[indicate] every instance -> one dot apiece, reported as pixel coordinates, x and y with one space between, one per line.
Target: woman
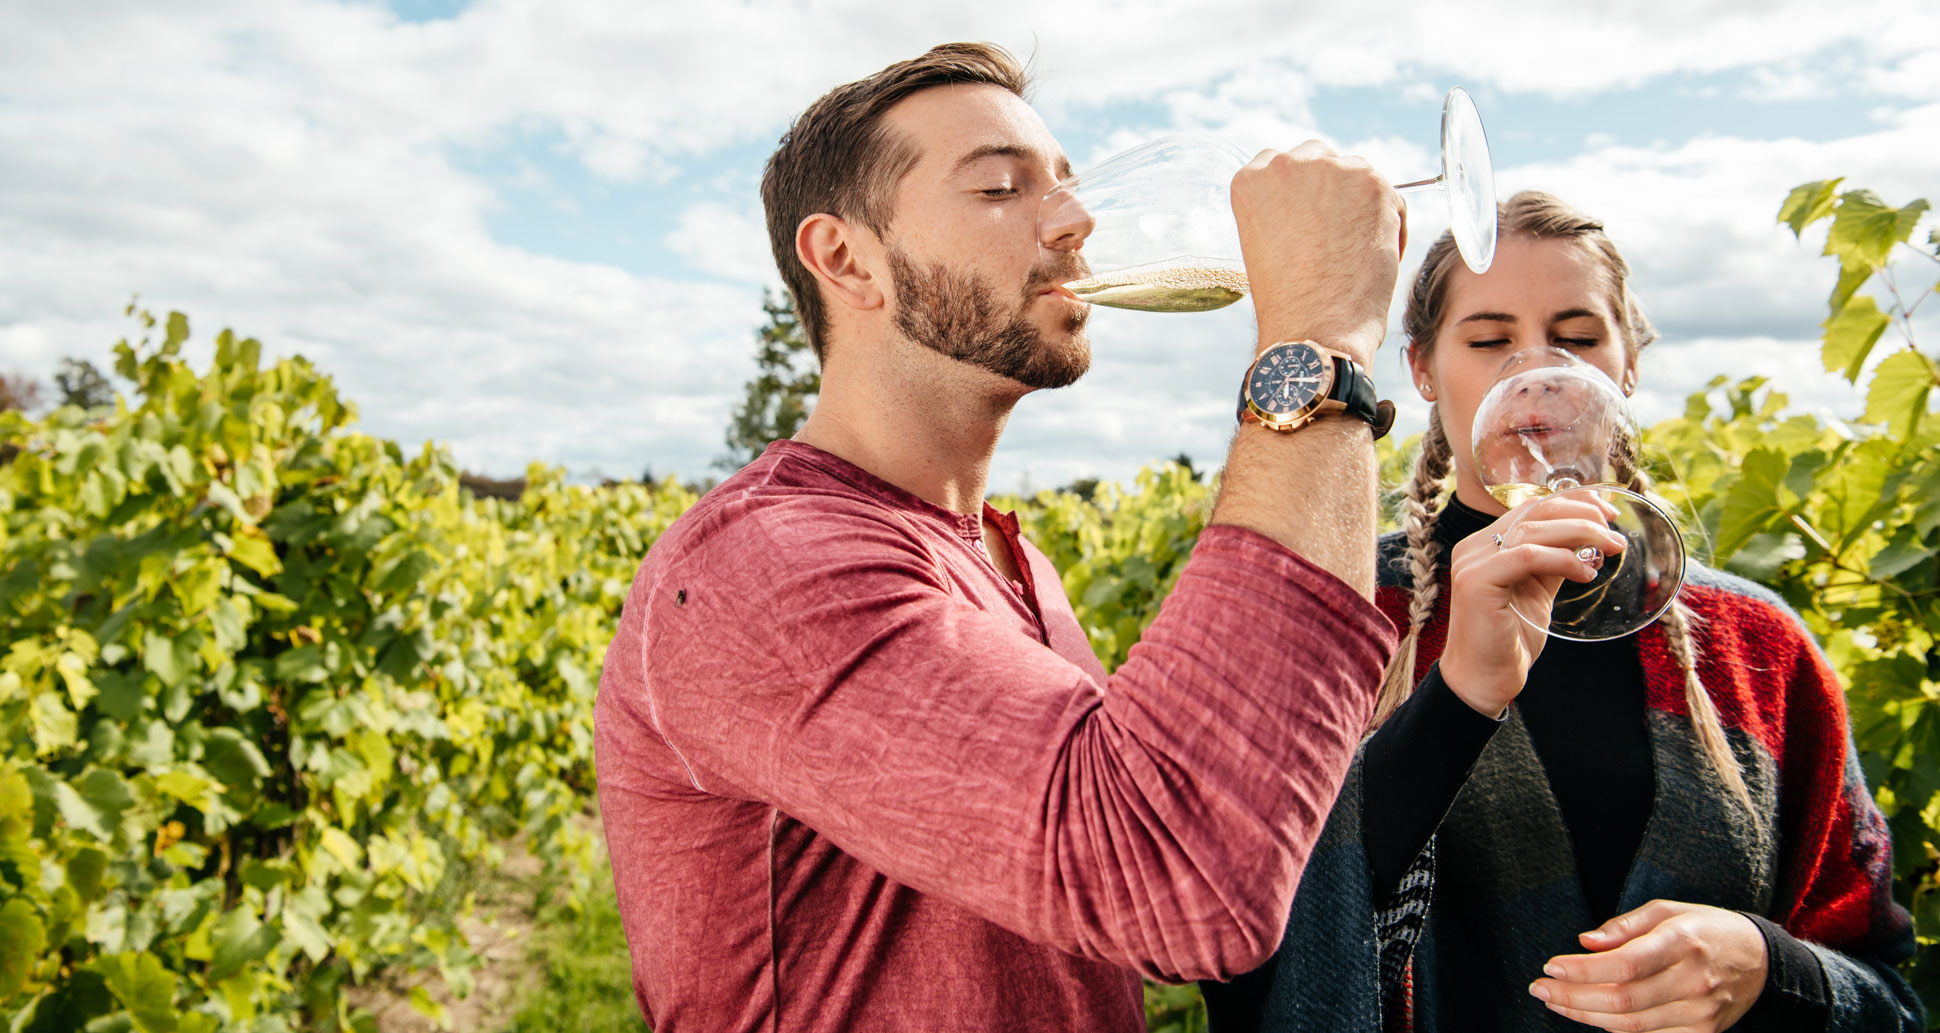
1666 831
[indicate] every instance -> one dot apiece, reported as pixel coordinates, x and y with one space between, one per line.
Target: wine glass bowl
1162 213
1156 228
1553 426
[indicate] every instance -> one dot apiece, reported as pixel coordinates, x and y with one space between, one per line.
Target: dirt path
507 899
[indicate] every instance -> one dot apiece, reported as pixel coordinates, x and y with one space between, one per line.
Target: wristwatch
1294 382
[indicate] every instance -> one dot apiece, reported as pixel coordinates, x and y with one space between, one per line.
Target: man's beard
955 314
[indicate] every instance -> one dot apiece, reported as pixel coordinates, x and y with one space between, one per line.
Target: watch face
1287 379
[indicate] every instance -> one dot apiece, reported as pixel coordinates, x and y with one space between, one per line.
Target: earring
1427 390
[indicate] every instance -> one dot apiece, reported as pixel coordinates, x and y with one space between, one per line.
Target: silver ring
1499 543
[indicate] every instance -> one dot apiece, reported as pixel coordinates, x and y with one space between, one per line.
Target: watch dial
1286 380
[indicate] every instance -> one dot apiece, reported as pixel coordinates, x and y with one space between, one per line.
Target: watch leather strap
1355 389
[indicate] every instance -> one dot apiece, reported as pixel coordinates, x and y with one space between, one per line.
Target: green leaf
190 788
22 939
73 1005
413 568
178 331
1852 276
1898 395
300 923
1762 555
1807 204
253 549
1850 335
16 797
221 494
234 760
1864 228
169 657
84 871
227 622
1753 501
239 938
95 802
1907 549
339 845
144 987
302 664
52 726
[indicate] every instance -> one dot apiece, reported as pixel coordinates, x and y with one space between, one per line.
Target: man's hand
1490 649
1322 237
1665 966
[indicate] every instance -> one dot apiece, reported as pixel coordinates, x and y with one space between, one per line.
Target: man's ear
833 250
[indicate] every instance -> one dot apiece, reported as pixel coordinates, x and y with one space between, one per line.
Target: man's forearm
1312 490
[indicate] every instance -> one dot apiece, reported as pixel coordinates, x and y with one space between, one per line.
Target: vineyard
267 678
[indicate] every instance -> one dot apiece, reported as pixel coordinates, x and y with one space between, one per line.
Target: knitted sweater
1500 874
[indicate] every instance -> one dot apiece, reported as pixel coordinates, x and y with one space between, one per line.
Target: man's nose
1062 222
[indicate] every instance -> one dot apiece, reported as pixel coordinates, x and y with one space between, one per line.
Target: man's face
970 279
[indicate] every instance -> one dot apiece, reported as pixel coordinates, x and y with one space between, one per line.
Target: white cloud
725 240
287 168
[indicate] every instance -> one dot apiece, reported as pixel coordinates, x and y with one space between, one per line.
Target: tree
81 384
783 390
18 391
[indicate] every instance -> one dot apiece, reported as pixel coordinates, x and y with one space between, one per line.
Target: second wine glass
1552 425
1157 221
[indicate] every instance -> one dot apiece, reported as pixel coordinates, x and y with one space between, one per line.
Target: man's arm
1322 238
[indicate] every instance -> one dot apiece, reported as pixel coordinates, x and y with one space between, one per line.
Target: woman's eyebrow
1574 313
1487 317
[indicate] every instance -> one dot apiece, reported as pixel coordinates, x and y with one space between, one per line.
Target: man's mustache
1065 267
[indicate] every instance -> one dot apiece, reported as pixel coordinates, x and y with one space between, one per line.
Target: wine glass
1161 232
1553 425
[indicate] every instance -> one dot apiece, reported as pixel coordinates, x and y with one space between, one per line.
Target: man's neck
927 425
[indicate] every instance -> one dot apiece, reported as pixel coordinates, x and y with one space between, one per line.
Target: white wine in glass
1189 285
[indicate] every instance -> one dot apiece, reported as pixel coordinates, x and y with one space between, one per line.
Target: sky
532 231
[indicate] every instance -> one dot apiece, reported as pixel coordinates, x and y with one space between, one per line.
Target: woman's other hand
1518 564
1665 966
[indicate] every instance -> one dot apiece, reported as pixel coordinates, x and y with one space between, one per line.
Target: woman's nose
1063 222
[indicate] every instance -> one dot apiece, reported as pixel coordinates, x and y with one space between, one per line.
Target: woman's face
1537 293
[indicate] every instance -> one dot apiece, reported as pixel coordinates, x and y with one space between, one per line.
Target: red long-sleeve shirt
853 777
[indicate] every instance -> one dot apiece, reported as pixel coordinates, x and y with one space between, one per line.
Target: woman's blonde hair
1533 215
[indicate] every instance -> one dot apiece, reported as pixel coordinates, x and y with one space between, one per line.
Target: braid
1421 500
1679 622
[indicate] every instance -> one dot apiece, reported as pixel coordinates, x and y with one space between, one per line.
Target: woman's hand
1490 649
1665 966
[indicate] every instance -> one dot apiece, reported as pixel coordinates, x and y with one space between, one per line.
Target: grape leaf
22 939
1898 395
1850 335
1864 228
95 802
239 938
1752 501
1808 203
144 987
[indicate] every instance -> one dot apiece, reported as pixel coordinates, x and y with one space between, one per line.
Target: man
858 767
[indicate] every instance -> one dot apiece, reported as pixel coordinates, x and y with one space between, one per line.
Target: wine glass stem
1418 186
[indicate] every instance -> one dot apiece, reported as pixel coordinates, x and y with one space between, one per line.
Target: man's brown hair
837 158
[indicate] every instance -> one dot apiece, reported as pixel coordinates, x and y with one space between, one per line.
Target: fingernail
1539 991
1553 970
